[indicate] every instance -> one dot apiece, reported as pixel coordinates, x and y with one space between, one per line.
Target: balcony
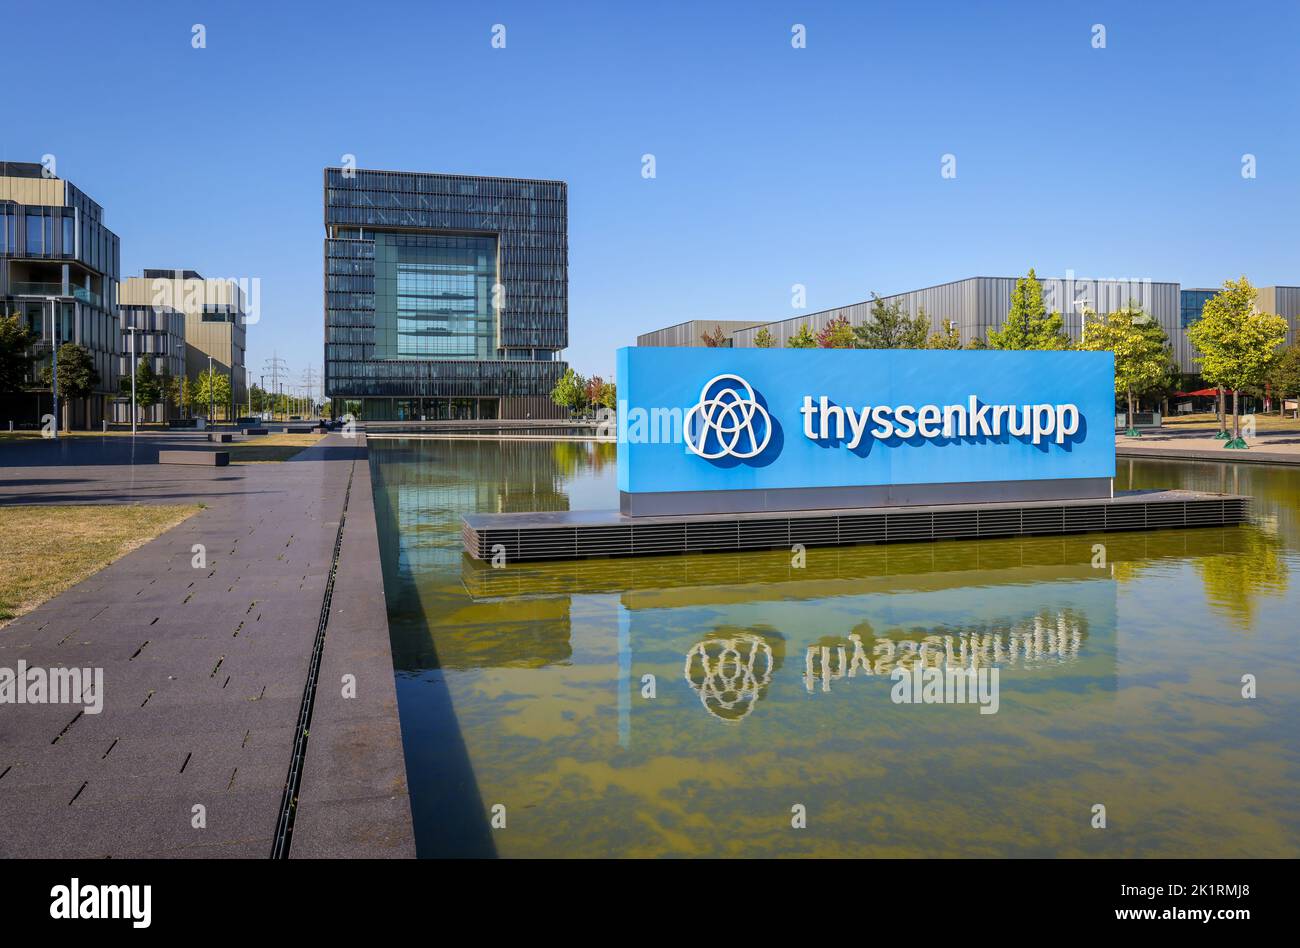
56 289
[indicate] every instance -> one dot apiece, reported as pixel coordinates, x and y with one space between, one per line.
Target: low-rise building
977 304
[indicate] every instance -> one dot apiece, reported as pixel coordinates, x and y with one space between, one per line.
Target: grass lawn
47 549
271 447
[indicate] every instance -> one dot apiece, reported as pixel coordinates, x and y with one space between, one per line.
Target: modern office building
978 304
156 333
1284 301
214 314
59 269
446 296
693 331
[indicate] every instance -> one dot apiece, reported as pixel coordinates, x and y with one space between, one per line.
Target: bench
298 429
222 437
207 458
255 431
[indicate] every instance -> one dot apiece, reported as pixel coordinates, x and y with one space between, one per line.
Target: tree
148 385
170 386
1141 348
16 354
948 336
77 373
763 339
890 327
186 400
570 391
1028 324
837 334
803 339
1285 374
594 390
1237 344
211 388
608 397
715 339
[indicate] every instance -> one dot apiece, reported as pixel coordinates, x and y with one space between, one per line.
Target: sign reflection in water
1046 639
525 685
730 674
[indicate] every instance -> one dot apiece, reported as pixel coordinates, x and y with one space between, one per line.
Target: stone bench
206 458
255 431
298 429
223 437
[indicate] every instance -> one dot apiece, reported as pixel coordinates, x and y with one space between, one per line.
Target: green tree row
578 393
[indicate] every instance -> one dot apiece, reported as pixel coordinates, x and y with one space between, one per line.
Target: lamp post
54 374
1084 306
134 367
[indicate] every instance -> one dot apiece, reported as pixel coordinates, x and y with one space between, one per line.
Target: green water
1120 682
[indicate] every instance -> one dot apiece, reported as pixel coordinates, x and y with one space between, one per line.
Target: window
35 245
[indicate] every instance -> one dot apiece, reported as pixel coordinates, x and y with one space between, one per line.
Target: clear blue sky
775 166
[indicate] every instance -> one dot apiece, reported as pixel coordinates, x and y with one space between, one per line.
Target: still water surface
1120 683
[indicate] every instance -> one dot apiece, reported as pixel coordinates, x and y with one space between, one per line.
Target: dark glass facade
445 295
1191 302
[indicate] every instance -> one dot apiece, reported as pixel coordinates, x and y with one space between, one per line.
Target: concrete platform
562 535
206 458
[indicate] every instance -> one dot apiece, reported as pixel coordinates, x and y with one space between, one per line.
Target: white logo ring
729 413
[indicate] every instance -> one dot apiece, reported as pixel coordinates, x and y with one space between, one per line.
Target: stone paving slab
354 796
204 669
1268 447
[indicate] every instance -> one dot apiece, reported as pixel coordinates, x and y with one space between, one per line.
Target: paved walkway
1200 445
205 668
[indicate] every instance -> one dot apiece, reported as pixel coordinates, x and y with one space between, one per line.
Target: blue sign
716 419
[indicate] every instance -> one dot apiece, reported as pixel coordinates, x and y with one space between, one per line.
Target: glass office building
59 270
446 296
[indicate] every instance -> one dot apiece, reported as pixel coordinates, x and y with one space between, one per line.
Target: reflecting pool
699 705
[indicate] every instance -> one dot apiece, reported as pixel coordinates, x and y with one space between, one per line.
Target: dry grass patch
270 447
45 550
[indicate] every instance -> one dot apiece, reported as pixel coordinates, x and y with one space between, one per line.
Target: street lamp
132 330
54 374
1084 306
